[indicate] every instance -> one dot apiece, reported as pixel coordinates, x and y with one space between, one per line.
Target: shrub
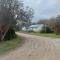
46 29
10 34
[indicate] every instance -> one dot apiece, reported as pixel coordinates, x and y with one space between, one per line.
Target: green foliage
53 23
10 34
12 13
46 29
7 46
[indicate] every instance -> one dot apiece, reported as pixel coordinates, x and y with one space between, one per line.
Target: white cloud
44 8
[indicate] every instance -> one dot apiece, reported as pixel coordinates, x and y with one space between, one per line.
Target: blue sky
43 8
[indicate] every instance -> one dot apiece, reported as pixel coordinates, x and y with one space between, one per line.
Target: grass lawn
9 45
46 35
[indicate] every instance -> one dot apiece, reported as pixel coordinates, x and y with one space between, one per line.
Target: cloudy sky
44 8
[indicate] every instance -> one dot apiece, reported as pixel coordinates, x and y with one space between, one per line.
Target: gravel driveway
35 48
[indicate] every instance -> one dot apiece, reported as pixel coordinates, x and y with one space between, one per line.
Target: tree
12 11
29 15
25 17
9 10
54 23
46 29
45 23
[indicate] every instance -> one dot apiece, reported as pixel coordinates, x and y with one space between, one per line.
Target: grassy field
7 46
46 34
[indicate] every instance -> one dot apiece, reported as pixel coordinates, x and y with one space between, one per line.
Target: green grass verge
9 45
46 34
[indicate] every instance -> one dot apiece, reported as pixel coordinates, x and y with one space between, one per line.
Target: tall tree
9 10
55 24
12 11
25 17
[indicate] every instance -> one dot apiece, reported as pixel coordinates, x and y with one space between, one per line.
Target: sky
43 9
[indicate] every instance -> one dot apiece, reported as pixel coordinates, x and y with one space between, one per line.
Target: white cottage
36 28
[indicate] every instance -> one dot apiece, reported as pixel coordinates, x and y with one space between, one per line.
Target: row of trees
52 23
13 12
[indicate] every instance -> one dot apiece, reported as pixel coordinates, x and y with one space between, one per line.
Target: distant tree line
53 24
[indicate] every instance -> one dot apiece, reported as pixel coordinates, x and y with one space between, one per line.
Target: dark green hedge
46 29
10 34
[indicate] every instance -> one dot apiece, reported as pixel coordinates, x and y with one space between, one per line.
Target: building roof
37 25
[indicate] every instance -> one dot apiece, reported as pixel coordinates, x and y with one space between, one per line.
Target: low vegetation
51 35
6 46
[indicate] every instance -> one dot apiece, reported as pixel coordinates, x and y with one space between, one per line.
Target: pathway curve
35 48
